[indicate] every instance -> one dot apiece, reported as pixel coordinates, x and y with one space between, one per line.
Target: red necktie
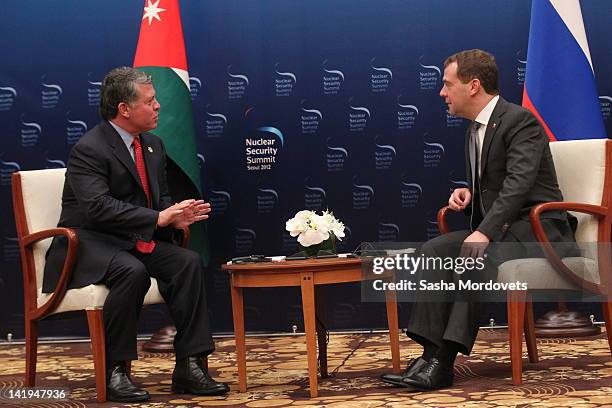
142 246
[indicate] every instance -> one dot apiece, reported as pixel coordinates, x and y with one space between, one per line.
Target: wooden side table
310 275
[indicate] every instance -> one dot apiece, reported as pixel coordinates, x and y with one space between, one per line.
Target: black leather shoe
432 376
119 386
413 368
191 377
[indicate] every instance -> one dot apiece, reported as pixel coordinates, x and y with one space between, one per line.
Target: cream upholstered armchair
584 172
37 197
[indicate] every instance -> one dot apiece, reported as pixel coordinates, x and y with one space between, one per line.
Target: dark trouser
458 321
433 322
180 280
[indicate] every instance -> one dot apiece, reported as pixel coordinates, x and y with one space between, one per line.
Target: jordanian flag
161 53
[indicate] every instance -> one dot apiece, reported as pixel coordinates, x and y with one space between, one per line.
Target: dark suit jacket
517 172
104 201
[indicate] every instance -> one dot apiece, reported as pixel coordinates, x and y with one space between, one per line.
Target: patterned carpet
571 373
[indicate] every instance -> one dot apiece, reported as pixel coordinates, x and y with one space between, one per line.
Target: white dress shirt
483 118
125 136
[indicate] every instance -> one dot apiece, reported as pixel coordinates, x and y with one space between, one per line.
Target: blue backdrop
344 92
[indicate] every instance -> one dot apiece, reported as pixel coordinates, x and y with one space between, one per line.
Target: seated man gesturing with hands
116 198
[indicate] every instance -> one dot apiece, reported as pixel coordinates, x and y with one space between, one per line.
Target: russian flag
560 84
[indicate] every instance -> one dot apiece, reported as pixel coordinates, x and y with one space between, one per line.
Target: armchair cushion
93 297
538 273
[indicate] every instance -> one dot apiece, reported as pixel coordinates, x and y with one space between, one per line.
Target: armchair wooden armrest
30 273
603 251
186 237
62 285
442 224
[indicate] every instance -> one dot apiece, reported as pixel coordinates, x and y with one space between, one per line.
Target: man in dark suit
510 169
116 198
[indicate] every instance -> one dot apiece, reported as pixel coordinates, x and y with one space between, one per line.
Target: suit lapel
494 122
120 151
149 157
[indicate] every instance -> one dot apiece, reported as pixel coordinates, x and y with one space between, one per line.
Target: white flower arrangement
312 228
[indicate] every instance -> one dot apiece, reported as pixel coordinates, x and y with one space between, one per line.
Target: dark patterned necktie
475 167
474 153
142 246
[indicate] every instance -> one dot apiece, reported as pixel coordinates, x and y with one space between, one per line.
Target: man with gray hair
116 198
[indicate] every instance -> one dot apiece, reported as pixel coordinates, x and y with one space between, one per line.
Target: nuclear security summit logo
266 200
75 128
7 168
363 194
310 119
358 117
220 201
93 91
388 231
244 239
237 84
195 84
315 197
284 83
215 123
384 154
332 80
335 156
406 114
380 78
410 194
429 76
433 153
30 133
8 94
262 150
50 94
